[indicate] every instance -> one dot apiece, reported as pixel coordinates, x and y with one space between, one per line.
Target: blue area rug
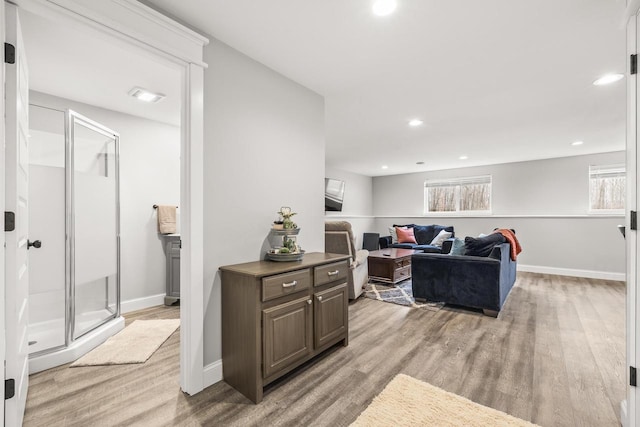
401 294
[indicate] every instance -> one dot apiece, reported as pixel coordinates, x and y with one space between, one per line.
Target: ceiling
76 64
495 80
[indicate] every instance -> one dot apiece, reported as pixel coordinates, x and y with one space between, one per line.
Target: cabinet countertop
267 268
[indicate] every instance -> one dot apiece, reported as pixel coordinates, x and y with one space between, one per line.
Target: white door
17 260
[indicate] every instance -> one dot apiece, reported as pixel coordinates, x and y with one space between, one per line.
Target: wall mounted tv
333 194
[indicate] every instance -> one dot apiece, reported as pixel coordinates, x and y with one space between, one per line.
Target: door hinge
633 64
632 376
9 221
633 220
9 388
9 53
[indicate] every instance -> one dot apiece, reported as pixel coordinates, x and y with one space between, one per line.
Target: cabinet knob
319 298
309 302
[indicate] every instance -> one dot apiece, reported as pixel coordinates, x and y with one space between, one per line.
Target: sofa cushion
403 245
440 237
438 228
457 248
482 246
405 235
394 236
424 234
428 249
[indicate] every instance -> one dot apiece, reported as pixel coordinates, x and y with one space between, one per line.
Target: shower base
77 348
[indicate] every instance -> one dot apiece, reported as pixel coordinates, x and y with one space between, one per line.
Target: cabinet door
331 318
287 335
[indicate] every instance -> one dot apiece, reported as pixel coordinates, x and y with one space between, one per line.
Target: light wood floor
555 356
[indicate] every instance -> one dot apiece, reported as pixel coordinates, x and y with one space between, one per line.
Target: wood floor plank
554 356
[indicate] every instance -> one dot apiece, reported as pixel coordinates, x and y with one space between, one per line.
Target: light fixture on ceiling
415 122
576 143
146 95
385 167
384 7
608 79
463 157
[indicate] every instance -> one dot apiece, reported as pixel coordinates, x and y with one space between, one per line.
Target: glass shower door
94 246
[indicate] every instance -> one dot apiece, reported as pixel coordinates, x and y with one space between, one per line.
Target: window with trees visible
607 188
458 195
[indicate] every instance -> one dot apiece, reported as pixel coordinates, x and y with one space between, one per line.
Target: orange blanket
512 239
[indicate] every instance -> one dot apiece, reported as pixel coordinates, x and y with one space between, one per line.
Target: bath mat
134 344
406 401
401 293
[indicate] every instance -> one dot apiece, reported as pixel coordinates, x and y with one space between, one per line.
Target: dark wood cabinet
287 334
330 315
278 315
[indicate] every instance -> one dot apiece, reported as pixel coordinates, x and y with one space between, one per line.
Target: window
607 188
471 194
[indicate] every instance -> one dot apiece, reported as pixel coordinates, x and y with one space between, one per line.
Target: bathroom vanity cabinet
172 250
278 315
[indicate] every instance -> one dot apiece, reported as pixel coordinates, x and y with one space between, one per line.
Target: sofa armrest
447 245
361 258
385 242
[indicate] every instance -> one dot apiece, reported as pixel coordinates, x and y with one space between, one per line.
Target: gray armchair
338 239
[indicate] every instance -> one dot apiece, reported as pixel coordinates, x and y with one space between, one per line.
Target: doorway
175 46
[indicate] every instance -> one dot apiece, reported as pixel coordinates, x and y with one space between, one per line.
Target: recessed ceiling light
608 78
415 122
577 143
463 157
146 95
384 7
419 163
385 167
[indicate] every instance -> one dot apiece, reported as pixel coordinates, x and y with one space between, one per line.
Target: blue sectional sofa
473 281
424 235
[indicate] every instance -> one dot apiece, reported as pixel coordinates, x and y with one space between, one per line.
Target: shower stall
74 266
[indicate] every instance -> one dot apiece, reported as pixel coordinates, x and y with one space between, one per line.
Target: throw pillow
482 246
392 231
405 235
394 236
440 238
424 234
457 248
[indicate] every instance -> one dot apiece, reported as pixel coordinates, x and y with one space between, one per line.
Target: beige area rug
134 344
406 401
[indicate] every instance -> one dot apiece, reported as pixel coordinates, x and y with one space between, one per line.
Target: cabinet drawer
401 274
284 284
333 272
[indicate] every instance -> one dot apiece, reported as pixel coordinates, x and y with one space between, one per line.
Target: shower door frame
141 28
72 118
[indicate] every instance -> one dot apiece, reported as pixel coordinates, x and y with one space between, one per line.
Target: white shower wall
149 174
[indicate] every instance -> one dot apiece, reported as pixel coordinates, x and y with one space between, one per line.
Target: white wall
546 201
263 149
149 174
358 202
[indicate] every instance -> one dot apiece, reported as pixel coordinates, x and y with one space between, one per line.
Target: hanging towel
166 219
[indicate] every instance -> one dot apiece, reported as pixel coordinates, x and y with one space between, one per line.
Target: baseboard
141 303
623 413
591 274
212 373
